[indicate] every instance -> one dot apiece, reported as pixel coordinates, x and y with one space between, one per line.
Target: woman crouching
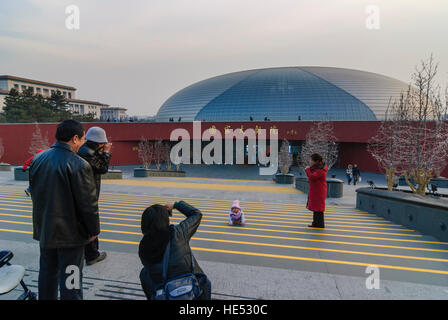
157 234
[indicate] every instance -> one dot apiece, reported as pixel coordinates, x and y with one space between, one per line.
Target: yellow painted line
204 186
115 195
272 237
319 249
362 264
323 241
277 215
322 249
320 234
299 207
297 225
298 232
273 225
209 179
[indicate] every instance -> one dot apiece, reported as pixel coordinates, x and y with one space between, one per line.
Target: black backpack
182 287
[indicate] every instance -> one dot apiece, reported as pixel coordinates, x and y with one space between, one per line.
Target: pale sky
138 53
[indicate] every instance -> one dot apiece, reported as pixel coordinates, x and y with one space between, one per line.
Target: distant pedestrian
317 176
236 214
157 235
25 167
356 174
349 174
65 212
96 151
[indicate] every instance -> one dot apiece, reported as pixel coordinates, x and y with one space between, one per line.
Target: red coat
318 188
30 159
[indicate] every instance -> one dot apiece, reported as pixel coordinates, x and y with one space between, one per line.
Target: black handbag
183 287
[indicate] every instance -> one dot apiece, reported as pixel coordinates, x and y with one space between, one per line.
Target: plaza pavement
275 256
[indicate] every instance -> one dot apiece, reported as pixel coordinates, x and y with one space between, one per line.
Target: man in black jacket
65 212
96 151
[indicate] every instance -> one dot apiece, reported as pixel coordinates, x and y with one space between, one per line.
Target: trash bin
20 175
335 188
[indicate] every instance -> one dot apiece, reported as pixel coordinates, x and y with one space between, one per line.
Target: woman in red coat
317 176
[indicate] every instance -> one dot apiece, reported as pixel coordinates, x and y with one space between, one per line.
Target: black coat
98 161
180 251
65 206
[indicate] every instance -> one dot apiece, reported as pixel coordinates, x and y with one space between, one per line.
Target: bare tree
146 152
2 149
167 159
284 157
159 153
320 139
38 141
413 140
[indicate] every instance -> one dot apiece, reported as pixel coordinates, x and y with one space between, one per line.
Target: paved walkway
274 256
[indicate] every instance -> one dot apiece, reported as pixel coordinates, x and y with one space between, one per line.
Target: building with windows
84 107
113 114
46 89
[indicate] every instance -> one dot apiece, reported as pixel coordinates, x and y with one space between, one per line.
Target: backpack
182 287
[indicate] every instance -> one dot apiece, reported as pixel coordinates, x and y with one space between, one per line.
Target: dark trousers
91 250
53 271
355 179
318 219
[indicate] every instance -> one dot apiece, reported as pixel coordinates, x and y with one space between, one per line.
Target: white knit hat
96 134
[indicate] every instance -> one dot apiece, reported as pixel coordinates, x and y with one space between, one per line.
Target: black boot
320 220
313 225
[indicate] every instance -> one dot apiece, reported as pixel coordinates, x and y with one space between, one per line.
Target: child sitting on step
236 214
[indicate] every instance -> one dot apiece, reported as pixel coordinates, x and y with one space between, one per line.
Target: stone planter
335 187
143 173
21 175
112 174
284 178
426 214
5 167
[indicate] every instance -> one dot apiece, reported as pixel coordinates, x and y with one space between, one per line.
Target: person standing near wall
317 176
356 174
96 151
349 174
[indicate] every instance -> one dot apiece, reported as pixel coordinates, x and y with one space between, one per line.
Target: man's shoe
27 193
101 257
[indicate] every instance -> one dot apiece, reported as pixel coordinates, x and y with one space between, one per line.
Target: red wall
351 135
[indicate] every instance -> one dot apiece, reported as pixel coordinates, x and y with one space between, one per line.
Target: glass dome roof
285 94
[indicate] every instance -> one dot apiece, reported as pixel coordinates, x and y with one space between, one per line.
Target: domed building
284 94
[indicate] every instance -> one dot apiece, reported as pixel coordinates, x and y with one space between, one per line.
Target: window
23 88
38 90
46 92
65 93
70 95
16 86
52 92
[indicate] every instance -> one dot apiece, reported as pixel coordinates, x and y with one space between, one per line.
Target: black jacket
180 251
98 161
65 206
